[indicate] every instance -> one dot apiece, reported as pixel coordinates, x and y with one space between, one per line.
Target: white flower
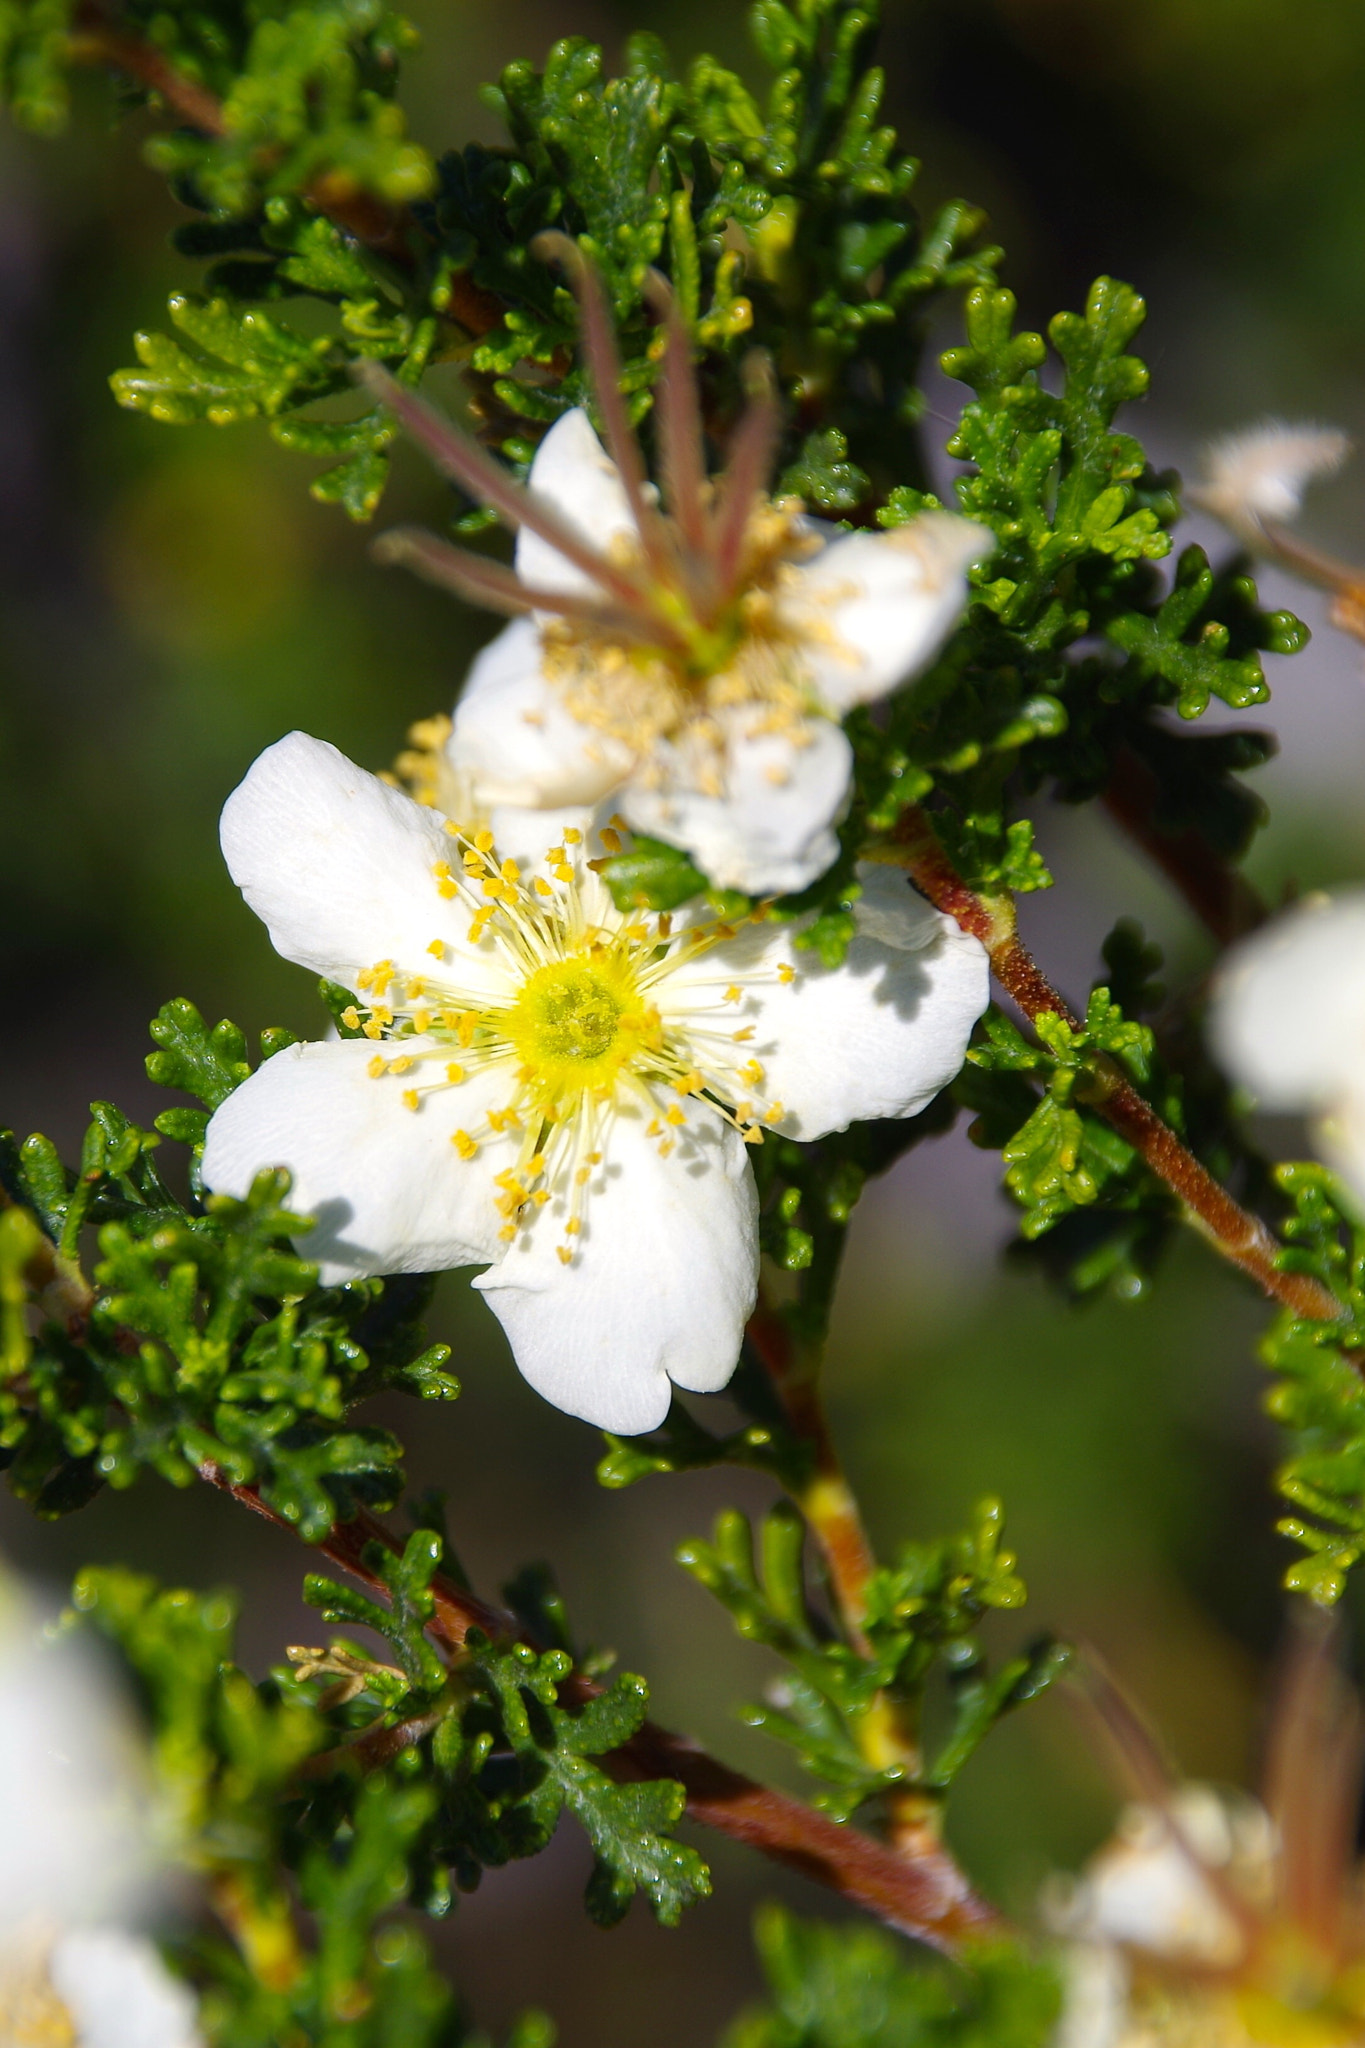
77 1858
1261 473
93 1988
554 1085
1288 1022
1157 1907
693 663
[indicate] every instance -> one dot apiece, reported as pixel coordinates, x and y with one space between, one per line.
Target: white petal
388 1190
771 833
661 1288
120 1994
339 866
878 1036
1288 1014
75 1842
1263 472
513 737
578 479
874 609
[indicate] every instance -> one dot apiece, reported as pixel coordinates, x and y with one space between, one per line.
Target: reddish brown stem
1240 1236
1215 890
928 1897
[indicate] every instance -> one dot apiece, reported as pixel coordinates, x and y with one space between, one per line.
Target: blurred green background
172 601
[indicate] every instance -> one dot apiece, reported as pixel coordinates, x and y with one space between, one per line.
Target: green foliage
228 1754
919 1617
1318 1395
509 1745
854 1987
205 1339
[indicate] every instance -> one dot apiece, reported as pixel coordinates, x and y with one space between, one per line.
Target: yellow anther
733 994
618 821
752 1073
437 949
362 979
401 1064
637 932
665 924
454 1074
555 857
411 1099
536 1165
654 1129
350 1017
508 1232
785 971
582 1176
441 870
416 987
564 873
378 1065
742 1037
775 1113
594 1158
565 1254
688 1084
753 1136
447 888
744 1112
572 1227
382 1014
572 836
542 887
674 1116
372 1028
474 862
611 840
464 1144
666 1147
541 1197
510 871
484 841
421 1020
495 887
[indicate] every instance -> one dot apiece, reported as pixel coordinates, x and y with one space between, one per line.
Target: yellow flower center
575 1024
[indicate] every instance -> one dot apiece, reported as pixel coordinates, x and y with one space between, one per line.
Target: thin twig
1233 1230
914 1819
927 1897
1218 893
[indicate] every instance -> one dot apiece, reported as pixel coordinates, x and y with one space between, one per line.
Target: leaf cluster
854 1987
1318 1395
505 1746
920 1619
227 1755
204 1339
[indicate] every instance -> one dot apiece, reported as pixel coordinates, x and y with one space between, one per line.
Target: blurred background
173 601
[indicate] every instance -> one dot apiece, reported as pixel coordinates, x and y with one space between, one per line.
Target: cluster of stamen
585 1027
686 620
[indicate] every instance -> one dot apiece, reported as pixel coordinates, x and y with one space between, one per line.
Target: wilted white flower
692 663
77 1858
554 1085
1261 473
1288 1022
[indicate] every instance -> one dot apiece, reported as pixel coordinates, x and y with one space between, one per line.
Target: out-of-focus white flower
78 1857
690 663
1261 473
557 1086
1214 1920
1287 1021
